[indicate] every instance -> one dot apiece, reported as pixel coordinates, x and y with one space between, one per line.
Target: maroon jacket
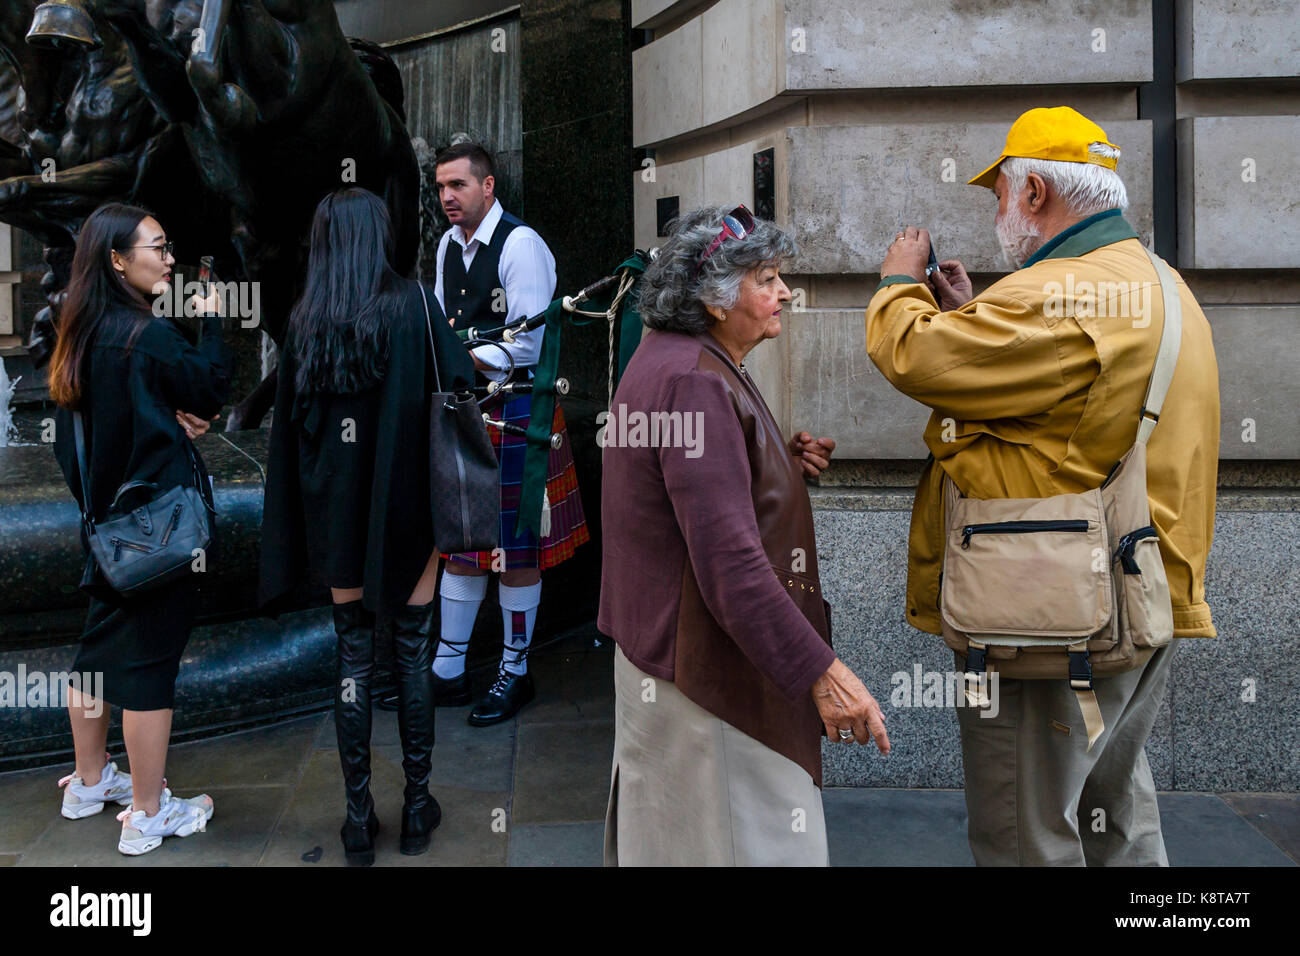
705 519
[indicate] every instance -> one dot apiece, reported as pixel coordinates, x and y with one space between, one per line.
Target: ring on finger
846 733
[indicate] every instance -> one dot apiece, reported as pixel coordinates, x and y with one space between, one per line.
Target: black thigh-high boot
414 656
356 658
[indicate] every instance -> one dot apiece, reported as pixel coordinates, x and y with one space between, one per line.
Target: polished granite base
532 792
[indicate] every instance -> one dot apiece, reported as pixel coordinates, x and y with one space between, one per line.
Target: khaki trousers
1035 797
689 789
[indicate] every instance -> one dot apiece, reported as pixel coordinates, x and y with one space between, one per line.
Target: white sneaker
176 816
81 801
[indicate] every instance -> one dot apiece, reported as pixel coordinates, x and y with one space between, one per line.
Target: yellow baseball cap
1056 133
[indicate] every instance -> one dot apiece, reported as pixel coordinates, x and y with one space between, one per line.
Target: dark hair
339 328
94 287
480 160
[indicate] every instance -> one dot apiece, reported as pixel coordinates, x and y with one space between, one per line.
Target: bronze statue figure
79 131
274 108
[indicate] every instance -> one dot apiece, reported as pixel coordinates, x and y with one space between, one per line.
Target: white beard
1018 237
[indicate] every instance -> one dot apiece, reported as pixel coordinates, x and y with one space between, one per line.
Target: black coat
131 392
347 496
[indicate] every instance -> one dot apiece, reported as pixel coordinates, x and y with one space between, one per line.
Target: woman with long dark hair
143 391
347 501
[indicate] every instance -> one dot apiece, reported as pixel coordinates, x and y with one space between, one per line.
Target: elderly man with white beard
1037 387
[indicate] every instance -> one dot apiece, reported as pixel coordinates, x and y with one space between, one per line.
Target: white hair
1085 188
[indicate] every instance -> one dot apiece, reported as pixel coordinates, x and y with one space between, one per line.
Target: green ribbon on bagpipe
628 337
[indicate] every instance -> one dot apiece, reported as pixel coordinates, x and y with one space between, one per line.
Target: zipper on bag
1020 527
173 524
1128 544
118 544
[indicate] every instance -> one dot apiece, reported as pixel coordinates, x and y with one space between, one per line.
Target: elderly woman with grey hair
724 674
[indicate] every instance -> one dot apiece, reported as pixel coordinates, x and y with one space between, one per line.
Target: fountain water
8 432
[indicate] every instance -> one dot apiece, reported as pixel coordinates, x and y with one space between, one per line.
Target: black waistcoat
468 295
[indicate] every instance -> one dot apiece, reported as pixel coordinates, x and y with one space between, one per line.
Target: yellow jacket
1036 387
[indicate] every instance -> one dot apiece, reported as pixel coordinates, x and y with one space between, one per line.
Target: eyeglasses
736 224
163 250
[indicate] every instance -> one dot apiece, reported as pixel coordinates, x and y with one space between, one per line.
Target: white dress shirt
527 274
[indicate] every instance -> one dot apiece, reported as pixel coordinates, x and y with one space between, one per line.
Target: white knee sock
461 596
518 615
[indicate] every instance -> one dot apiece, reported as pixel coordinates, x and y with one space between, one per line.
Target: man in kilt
494 270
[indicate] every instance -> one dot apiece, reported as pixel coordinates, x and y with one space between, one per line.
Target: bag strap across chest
1171 337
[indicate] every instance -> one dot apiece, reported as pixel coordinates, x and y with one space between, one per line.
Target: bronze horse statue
278 109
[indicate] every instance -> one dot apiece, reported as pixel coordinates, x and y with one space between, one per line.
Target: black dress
131 392
347 496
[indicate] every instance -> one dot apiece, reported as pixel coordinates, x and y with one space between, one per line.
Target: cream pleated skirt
689 789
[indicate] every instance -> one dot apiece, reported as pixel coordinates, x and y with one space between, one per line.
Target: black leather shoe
418 824
451 691
505 699
359 840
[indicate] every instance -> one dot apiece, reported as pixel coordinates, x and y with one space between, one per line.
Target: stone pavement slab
558 844
562 772
266 755
1200 829
1276 815
868 827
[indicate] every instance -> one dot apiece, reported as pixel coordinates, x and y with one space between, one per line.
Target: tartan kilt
568 520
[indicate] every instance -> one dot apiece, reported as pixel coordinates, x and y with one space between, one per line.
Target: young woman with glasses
143 390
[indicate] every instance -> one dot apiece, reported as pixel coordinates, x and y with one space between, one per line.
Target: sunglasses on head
736 224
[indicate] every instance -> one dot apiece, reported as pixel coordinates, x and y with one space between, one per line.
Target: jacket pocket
1143 589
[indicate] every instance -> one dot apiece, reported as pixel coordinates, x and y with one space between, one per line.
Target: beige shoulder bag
1068 587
